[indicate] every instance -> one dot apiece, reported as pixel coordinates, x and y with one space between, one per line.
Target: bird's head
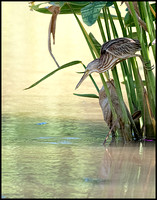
91 67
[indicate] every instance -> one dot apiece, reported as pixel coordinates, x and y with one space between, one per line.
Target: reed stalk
149 76
139 97
91 46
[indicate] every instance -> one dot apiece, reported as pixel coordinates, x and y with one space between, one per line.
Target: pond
52 140
66 159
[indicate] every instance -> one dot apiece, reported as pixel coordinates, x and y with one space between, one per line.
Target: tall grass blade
87 95
51 73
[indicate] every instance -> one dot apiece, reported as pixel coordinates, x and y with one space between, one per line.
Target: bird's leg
144 63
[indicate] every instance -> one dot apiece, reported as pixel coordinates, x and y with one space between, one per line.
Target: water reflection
130 170
50 161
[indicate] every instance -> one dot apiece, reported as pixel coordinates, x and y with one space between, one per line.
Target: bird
112 53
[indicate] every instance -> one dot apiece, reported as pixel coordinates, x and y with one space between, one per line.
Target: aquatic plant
138 120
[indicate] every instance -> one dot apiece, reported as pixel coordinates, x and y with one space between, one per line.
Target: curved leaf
51 73
87 95
42 10
76 6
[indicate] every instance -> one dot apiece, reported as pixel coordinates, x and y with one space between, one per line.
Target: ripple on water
63 140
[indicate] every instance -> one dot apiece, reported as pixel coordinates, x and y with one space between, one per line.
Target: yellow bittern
112 53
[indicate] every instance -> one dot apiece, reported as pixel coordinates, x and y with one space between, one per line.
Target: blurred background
25 59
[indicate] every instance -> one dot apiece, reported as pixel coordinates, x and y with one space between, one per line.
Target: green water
50 159
20 130
54 158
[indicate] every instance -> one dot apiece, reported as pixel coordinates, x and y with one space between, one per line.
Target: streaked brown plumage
112 52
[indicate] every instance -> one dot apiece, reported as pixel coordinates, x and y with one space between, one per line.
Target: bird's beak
86 73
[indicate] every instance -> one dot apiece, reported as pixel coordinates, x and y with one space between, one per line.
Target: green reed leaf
51 73
87 95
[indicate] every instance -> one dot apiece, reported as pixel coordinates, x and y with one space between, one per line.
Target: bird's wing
121 47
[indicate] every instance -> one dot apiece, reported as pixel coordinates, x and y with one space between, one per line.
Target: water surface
66 159
52 141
